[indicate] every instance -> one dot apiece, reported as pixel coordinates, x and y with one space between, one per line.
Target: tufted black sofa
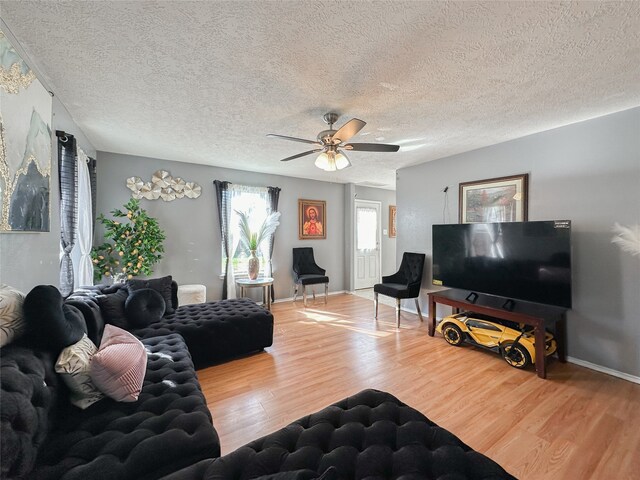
371 435
217 331
45 437
213 331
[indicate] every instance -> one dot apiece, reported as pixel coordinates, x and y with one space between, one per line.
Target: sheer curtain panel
81 253
68 175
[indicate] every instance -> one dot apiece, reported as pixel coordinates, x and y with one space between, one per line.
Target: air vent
373 184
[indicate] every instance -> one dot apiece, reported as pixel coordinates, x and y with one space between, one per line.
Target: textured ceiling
204 82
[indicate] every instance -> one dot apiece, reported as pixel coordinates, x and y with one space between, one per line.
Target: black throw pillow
143 307
51 324
112 307
161 285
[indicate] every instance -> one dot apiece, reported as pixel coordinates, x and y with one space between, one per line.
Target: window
255 202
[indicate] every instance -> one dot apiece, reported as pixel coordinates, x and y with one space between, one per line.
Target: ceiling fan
332 143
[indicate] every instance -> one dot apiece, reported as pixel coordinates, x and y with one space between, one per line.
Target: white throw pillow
74 365
11 320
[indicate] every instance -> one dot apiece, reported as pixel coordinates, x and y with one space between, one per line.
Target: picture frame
312 219
392 221
501 199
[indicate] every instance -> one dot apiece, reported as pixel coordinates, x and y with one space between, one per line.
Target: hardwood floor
576 424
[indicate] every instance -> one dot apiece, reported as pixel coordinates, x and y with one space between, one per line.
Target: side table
265 283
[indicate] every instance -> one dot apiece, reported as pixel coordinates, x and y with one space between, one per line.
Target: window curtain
274 196
92 166
224 207
67 176
81 253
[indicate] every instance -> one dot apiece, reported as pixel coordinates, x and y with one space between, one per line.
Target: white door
367 248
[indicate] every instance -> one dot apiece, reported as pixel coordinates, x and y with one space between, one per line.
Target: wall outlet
384 232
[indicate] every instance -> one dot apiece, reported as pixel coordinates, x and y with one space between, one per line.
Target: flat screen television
528 261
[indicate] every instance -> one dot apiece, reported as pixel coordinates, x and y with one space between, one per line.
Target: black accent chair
307 272
405 283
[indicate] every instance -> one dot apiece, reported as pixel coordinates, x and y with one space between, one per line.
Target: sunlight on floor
321 317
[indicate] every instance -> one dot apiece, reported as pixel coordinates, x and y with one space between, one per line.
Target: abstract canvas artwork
25 145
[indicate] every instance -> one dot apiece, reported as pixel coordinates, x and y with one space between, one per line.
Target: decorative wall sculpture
25 145
164 186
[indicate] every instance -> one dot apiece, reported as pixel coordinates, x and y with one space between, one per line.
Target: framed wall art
312 219
25 145
392 221
502 199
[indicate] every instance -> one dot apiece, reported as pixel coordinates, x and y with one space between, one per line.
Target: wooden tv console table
516 311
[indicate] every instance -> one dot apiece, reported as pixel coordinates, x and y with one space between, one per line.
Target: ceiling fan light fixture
331 161
332 142
342 161
324 163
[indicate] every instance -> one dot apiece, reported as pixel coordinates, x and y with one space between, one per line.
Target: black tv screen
528 261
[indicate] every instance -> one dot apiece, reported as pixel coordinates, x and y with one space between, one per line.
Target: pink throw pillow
119 365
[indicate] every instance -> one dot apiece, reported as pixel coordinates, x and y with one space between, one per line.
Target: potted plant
137 244
253 240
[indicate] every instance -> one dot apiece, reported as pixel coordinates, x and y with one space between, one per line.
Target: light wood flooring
576 424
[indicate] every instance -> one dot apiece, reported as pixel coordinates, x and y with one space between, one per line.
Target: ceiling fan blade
293 157
295 139
348 130
371 147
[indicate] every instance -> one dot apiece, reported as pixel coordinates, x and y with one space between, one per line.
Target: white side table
190 294
265 283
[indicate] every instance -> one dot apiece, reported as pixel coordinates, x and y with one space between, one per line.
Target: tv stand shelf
517 311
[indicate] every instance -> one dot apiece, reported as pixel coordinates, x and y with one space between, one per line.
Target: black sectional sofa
43 436
213 331
168 432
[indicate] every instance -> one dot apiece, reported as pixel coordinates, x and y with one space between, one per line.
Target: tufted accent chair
405 283
307 272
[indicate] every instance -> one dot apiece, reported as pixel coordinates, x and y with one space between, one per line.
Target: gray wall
30 259
587 172
386 197
193 237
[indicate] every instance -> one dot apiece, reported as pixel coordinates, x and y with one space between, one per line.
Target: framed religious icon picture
501 199
312 219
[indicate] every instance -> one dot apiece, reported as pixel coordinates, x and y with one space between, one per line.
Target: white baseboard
608 371
318 295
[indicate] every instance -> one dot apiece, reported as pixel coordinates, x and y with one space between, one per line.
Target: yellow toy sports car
515 343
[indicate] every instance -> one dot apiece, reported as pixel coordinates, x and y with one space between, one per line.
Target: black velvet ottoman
167 428
216 331
371 435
